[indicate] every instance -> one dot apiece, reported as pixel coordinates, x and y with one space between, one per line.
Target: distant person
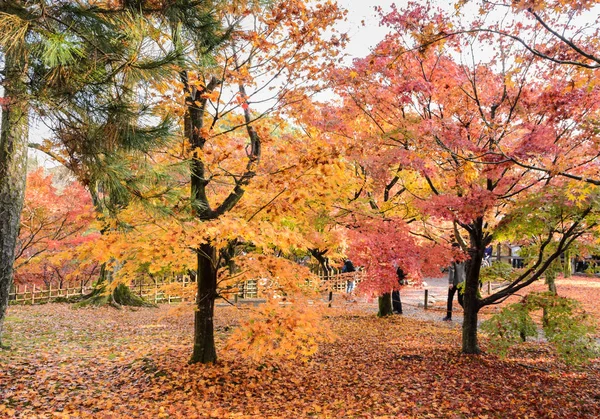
487 257
396 302
347 268
487 253
580 265
517 262
456 276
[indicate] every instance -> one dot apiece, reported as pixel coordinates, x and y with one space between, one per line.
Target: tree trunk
471 310
13 170
385 305
471 304
551 282
204 339
469 328
327 270
567 273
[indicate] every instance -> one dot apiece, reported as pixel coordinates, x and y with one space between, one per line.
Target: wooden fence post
426 301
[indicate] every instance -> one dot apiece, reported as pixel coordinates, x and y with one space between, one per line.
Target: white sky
362 38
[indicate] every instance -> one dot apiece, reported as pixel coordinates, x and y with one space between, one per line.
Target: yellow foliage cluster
281 331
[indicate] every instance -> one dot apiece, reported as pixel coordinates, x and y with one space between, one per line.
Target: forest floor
107 363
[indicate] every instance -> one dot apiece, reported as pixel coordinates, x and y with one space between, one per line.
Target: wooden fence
35 294
156 291
337 281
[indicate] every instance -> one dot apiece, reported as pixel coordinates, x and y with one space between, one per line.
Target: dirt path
413 298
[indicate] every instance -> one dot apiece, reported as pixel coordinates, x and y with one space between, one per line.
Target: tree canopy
199 133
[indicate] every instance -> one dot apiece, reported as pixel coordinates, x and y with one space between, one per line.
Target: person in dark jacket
456 276
396 302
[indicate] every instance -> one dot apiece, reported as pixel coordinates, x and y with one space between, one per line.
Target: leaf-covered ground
583 288
105 363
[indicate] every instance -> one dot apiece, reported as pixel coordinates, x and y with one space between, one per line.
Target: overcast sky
362 38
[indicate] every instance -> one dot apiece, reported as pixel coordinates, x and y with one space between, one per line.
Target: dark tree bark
471 301
13 170
469 328
204 340
319 255
479 240
385 305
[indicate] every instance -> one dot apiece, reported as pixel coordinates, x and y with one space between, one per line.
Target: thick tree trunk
13 170
204 339
385 305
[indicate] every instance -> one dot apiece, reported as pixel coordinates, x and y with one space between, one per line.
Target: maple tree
453 125
385 229
53 222
559 37
259 238
559 34
381 246
274 48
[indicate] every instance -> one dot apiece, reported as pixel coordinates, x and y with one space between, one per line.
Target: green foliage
509 327
565 326
120 296
498 270
58 50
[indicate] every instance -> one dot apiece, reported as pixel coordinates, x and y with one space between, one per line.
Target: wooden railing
35 294
154 291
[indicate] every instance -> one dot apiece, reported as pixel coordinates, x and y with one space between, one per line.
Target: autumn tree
453 122
555 35
269 227
272 50
384 227
53 222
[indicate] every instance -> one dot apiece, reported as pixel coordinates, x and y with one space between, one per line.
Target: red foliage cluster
54 222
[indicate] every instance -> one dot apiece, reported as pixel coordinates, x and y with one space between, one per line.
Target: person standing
347 268
456 276
396 302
